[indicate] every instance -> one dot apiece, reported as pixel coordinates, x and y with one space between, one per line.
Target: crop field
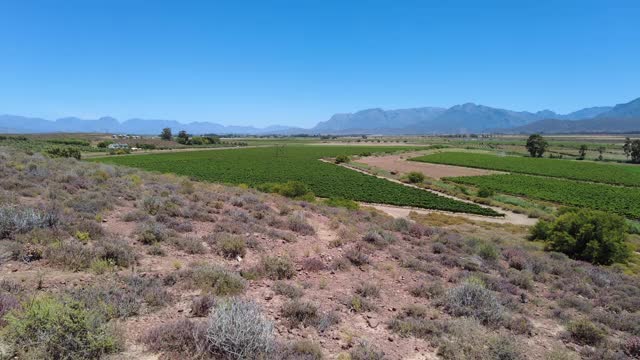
621 200
255 166
576 170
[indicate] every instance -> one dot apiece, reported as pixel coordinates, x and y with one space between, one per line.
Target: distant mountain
469 118
458 119
597 125
377 119
630 110
587 113
21 124
618 119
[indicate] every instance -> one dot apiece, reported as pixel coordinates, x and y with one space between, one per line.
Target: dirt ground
399 163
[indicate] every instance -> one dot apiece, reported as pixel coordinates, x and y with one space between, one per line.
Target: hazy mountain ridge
21 124
464 118
620 118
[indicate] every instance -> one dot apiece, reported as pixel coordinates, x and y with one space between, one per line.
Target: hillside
134 265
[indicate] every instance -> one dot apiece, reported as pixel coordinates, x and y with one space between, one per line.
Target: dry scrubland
104 261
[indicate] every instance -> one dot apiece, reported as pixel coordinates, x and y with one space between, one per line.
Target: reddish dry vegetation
103 261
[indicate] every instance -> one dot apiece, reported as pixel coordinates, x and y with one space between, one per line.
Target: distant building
118 146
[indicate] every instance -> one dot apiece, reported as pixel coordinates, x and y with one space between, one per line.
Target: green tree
536 145
582 152
183 137
601 150
166 134
635 151
595 236
627 147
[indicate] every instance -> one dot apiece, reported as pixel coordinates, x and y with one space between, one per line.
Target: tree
582 152
595 236
166 134
601 150
536 145
635 151
627 147
183 137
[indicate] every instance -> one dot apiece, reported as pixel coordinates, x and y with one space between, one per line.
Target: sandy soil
399 163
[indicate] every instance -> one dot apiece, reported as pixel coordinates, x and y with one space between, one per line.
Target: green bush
585 332
415 177
67 152
342 202
278 268
485 192
217 280
342 159
52 328
232 246
595 236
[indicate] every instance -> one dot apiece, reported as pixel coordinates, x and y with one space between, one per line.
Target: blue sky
298 62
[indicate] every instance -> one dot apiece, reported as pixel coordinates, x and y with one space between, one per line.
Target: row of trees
186 139
537 145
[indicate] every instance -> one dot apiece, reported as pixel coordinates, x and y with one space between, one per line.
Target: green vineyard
627 175
625 201
255 166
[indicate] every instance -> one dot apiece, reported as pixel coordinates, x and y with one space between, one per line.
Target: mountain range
458 119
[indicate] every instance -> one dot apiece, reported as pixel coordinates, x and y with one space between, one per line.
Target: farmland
621 200
255 166
575 170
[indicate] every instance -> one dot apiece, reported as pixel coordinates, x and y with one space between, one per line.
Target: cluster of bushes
595 236
65 152
290 189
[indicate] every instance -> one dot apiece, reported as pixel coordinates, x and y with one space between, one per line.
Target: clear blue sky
298 62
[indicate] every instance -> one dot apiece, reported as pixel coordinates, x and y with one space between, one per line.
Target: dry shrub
201 305
236 329
278 267
219 281
180 337
288 290
414 321
313 264
474 300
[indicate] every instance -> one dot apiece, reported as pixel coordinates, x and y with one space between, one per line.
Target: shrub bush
15 220
47 327
474 300
152 232
181 337
201 305
413 321
231 246
342 159
298 223
278 267
365 351
301 350
585 332
595 236
288 290
415 177
485 192
236 329
217 280
632 347
299 312
357 255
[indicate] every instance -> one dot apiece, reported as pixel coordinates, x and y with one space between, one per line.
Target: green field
621 200
627 175
254 166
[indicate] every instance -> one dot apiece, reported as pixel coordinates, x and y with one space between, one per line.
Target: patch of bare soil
400 164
